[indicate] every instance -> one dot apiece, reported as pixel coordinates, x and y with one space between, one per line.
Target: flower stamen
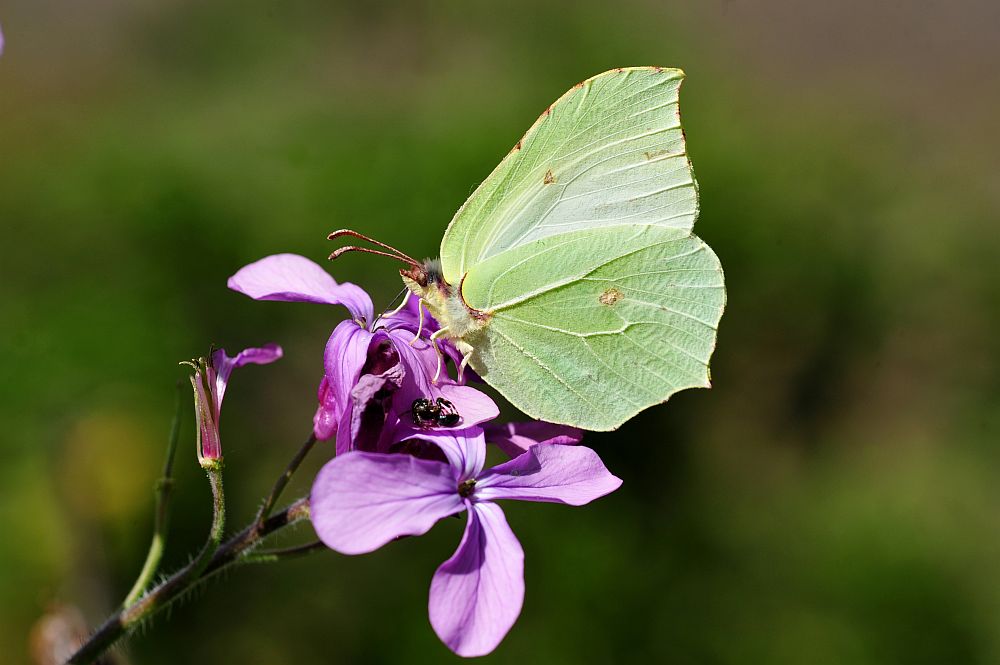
466 487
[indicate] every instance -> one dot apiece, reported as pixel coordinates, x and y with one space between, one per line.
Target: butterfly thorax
443 300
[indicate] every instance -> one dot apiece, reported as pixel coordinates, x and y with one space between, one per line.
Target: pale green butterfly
570 279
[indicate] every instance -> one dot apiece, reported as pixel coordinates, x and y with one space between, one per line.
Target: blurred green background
834 499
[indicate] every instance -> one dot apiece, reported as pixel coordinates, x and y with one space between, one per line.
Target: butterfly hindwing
590 327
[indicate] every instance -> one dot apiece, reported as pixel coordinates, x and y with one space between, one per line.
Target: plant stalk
161 519
282 481
116 626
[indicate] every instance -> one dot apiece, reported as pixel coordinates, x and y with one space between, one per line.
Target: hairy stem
227 555
164 487
280 554
116 626
213 558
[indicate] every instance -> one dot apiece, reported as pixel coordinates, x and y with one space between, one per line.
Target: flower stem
214 472
228 554
212 559
234 550
131 615
282 481
163 488
295 551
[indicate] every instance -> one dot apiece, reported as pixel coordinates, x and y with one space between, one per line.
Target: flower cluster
411 450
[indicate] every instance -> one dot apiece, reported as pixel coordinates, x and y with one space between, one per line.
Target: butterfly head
433 273
426 280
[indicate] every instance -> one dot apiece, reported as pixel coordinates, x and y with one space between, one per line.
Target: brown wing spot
517 146
610 296
657 153
549 178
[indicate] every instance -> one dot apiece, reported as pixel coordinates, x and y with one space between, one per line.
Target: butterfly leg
466 350
462 366
420 325
440 355
406 299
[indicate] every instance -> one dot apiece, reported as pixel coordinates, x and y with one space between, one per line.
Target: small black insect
439 413
424 412
448 416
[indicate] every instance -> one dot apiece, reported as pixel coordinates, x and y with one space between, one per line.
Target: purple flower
361 501
374 368
211 375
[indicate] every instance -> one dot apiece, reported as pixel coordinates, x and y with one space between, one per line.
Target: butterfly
570 280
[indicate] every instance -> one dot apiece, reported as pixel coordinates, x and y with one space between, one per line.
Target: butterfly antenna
395 253
354 248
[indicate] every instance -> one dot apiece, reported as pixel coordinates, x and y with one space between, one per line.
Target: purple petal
326 419
473 406
476 595
294 278
418 448
344 358
369 406
420 360
408 319
516 438
361 501
224 365
549 472
465 450
363 380
426 356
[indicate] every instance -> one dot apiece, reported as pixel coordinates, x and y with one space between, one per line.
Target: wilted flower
211 375
375 368
361 501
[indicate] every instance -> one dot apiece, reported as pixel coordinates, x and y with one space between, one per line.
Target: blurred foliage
832 500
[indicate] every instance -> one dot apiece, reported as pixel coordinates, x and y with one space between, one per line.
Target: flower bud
206 409
211 375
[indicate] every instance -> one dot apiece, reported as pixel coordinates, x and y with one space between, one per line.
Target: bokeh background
834 499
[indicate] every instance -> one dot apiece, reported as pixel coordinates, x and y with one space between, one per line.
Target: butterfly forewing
609 152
